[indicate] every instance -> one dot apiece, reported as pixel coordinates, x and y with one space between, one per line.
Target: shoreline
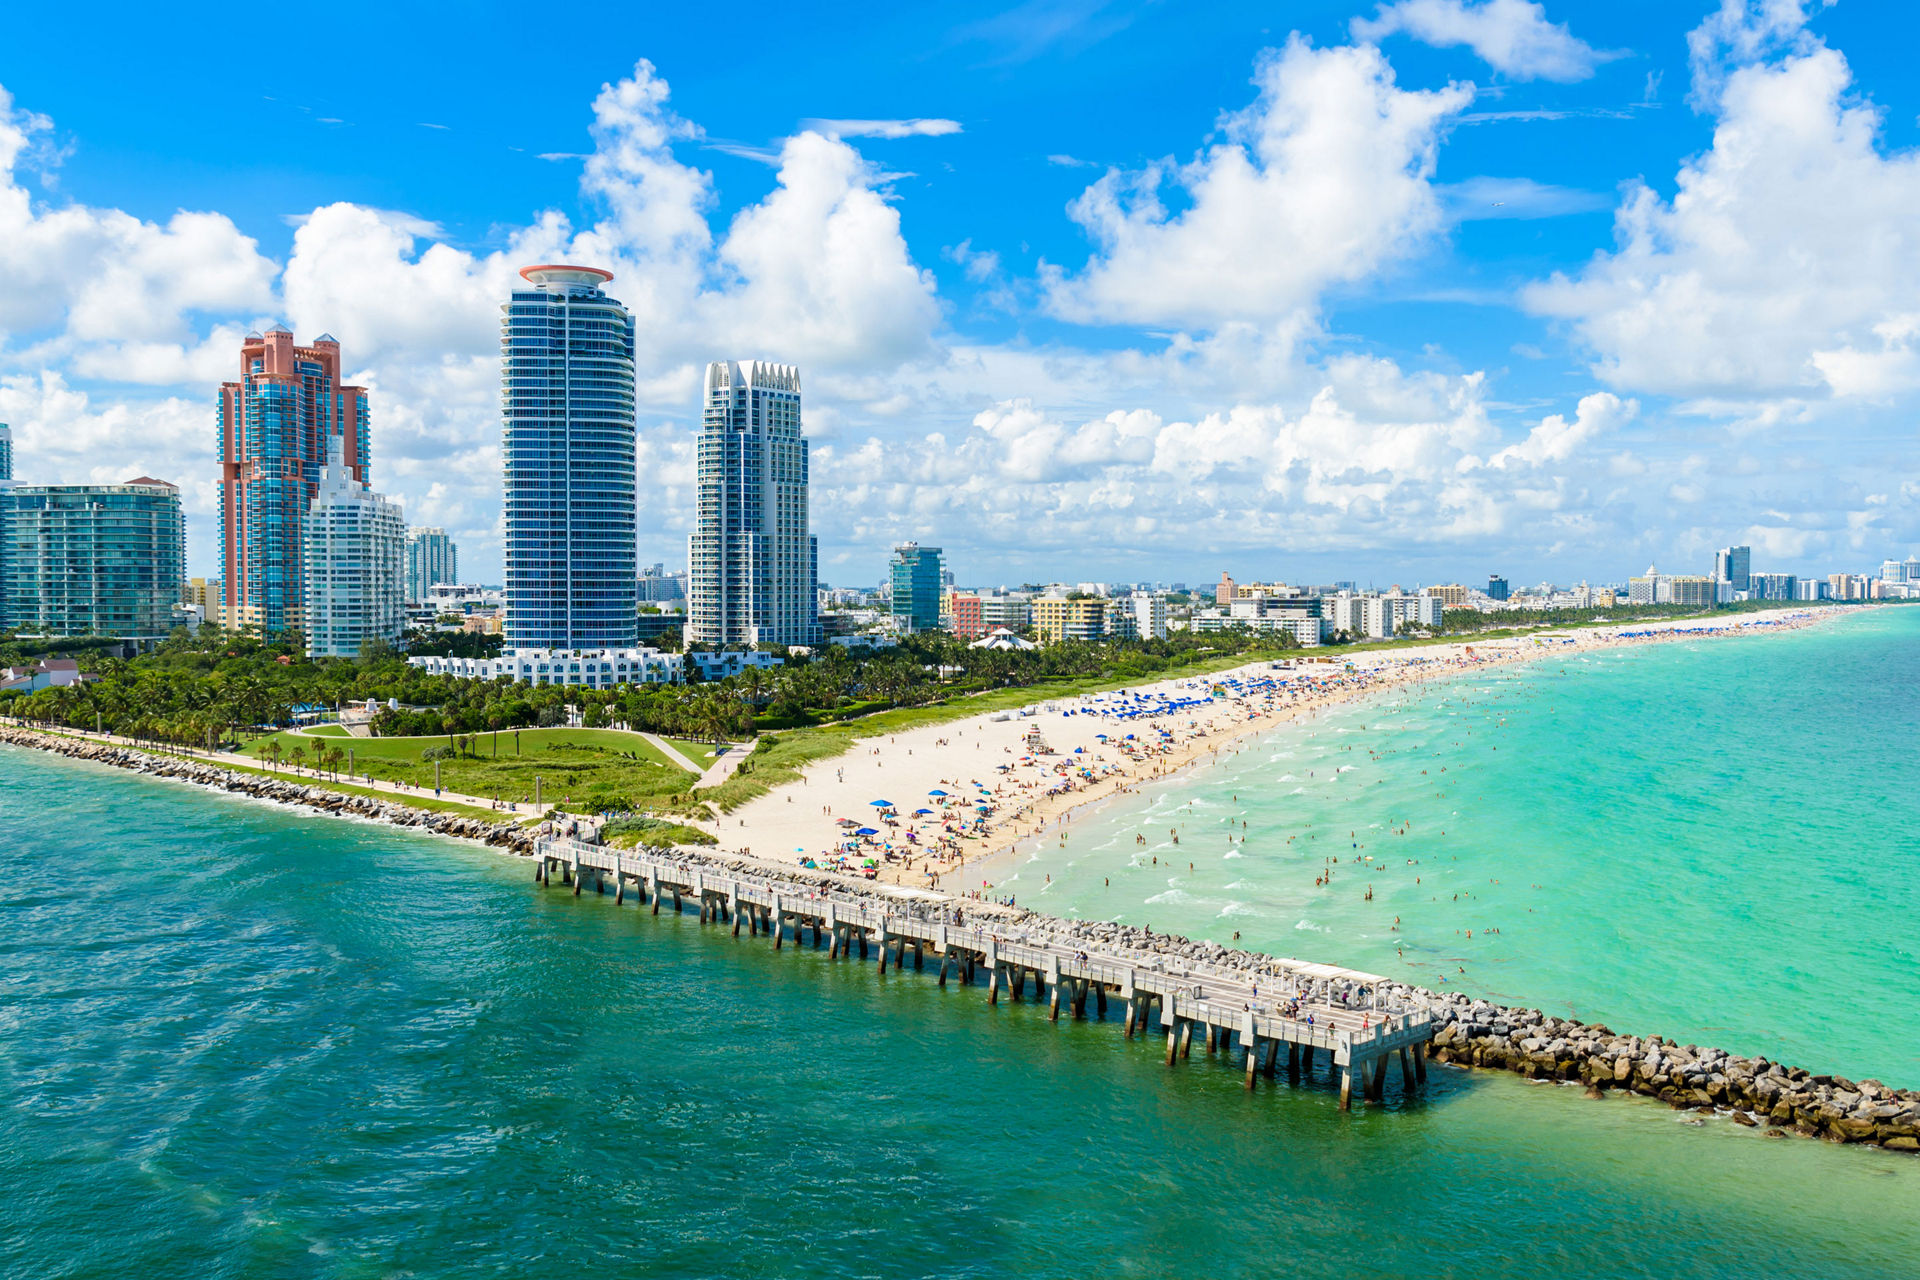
1031 795
1469 1033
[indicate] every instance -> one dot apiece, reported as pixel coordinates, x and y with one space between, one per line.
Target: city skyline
1093 365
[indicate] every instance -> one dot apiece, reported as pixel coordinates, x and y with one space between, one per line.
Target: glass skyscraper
275 424
91 559
567 406
432 559
916 587
751 562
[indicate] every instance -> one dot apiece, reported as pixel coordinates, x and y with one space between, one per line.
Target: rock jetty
506 835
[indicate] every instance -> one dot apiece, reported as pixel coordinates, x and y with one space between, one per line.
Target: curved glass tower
567 405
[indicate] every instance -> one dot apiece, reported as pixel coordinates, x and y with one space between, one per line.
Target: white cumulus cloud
1324 178
1511 36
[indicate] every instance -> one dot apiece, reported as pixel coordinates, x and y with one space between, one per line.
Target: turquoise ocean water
1714 840
239 1041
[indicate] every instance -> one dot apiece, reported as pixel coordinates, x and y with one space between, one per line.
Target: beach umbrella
866 831
937 794
881 804
921 813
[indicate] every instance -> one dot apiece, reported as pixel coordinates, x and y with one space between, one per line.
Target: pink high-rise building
275 424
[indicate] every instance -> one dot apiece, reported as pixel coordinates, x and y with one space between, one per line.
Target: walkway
1305 1006
672 753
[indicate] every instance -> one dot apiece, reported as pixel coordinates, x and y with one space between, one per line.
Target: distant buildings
432 559
1691 589
568 440
1452 593
1770 586
1057 619
657 586
1148 610
355 563
6 455
752 565
81 559
1734 565
968 623
917 574
274 427
1497 588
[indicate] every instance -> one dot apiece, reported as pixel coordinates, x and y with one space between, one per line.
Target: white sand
800 820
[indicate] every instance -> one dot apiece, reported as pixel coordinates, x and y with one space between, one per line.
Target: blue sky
1403 292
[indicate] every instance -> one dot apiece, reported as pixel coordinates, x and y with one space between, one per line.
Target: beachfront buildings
917 575
1057 619
275 424
1498 588
432 558
566 352
752 565
1733 565
1147 611
82 559
355 564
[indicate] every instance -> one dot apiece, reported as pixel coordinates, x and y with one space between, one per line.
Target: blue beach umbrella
866 831
881 804
937 794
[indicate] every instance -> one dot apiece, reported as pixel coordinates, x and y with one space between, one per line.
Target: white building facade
355 564
752 565
592 668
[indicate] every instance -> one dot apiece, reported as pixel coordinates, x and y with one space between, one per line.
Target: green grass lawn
586 769
694 749
327 784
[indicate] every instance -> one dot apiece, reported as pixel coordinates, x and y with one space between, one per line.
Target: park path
668 750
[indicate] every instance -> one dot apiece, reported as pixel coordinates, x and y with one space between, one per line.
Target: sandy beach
961 798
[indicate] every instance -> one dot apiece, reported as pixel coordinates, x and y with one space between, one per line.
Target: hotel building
274 427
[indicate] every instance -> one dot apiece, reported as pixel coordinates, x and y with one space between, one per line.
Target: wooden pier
1300 1007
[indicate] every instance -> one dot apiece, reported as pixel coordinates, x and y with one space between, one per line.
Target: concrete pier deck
1308 1008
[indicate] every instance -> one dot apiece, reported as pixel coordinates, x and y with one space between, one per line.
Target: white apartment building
355 563
593 668
752 563
1149 613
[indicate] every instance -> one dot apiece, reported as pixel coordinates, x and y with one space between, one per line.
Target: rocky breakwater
1750 1091
506 835
1478 1033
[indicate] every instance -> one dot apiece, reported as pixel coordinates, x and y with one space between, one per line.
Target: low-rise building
732 662
593 668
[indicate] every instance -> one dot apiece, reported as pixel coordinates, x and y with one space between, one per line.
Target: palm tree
273 752
298 755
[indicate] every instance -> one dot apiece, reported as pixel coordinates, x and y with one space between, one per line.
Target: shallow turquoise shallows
236 1041
1714 840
